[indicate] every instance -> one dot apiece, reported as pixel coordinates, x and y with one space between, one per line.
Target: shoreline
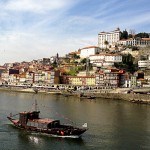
130 97
29 90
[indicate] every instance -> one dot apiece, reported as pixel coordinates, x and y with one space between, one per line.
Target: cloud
36 6
32 29
17 46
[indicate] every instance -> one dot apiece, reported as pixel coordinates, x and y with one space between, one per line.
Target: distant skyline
33 29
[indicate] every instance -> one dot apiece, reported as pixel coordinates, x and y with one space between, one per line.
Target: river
113 124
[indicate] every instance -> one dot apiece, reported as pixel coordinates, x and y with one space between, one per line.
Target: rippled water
112 124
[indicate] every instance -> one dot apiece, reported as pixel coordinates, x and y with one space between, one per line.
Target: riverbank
134 98
30 90
107 94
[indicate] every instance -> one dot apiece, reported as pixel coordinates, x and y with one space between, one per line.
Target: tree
134 48
127 59
75 56
124 35
72 72
130 36
83 61
142 35
106 43
127 63
54 64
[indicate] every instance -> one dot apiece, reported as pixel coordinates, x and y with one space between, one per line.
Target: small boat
87 97
83 96
31 122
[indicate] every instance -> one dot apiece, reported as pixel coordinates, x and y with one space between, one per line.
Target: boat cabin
24 116
32 119
44 123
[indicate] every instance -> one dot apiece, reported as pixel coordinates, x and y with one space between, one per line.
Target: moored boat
87 97
31 122
83 96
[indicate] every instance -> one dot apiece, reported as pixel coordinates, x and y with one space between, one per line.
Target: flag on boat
84 125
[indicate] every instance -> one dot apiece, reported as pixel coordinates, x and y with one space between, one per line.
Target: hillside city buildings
135 42
89 66
114 39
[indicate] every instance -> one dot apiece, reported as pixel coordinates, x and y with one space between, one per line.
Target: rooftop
44 120
88 47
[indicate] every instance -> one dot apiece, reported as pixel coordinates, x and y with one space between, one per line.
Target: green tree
54 64
130 36
124 35
106 43
72 72
134 48
75 56
83 61
142 35
127 63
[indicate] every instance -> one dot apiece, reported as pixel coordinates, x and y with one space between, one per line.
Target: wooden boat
88 97
31 122
83 96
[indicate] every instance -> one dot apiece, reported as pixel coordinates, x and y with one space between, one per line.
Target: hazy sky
33 29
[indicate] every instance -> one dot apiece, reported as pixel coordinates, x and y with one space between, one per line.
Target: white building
144 64
111 37
105 59
135 42
113 58
87 51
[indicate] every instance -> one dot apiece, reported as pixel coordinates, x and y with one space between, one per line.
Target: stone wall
127 97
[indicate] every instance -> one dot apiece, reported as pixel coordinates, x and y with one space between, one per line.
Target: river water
113 125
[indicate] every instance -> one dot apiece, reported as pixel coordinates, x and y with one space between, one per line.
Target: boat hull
54 132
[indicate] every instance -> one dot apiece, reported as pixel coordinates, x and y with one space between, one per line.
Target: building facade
111 37
105 59
87 51
111 78
133 81
142 42
81 80
144 64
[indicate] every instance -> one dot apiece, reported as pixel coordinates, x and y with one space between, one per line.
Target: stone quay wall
137 98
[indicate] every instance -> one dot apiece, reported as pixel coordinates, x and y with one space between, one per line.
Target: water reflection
40 141
34 139
112 124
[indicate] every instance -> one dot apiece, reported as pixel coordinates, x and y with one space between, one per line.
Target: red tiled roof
146 39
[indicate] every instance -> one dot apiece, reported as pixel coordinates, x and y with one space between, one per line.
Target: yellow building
81 80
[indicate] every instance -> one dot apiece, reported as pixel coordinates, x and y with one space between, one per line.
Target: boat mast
35 105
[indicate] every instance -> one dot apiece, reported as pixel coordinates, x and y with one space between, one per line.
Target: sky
36 29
